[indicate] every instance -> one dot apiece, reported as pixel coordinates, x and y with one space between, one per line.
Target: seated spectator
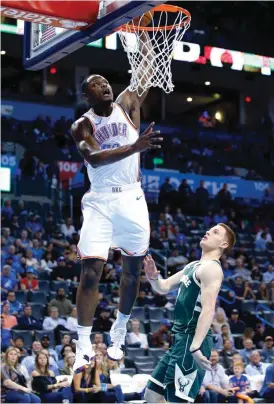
268 276
162 338
6 336
45 383
236 358
45 342
261 242
31 261
102 304
165 241
18 343
67 349
219 320
27 321
66 339
237 326
8 281
48 263
248 292
248 348
256 274
176 262
29 361
237 286
256 367
9 320
216 382
268 350
103 323
267 390
224 334
115 295
63 304
16 307
259 336
72 322
102 348
6 231
61 272
69 360
159 300
227 353
36 249
135 337
98 339
263 293
53 321
239 380
29 282
220 217
155 243
67 229
14 383
145 285
25 242
7 211
241 271
86 385
142 300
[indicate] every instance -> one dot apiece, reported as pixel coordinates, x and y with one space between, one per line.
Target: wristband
195 350
104 387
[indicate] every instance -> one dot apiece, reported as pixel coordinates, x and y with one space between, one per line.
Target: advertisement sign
8 160
153 179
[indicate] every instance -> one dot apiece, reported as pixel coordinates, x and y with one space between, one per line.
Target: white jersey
111 132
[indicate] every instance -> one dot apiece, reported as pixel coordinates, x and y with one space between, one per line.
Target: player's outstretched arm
91 152
211 276
161 286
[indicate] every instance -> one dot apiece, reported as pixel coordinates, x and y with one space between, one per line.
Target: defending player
114 210
180 372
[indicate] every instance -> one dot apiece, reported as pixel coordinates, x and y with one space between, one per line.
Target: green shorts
177 376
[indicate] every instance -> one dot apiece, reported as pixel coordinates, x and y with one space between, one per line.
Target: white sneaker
84 354
117 346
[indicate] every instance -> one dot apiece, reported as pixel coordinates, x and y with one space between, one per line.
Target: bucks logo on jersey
188 304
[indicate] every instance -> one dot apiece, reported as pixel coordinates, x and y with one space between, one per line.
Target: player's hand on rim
149 139
150 268
201 360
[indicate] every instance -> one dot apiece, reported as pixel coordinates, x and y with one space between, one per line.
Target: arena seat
43 285
38 310
51 295
156 313
39 334
248 305
170 313
154 325
133 352
156 352
138 312
26 335
21 296
55 285
128 371
37 296
73 334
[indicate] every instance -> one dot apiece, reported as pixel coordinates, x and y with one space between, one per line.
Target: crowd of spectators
40 273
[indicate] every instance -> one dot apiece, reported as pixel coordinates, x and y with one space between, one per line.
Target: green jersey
188 304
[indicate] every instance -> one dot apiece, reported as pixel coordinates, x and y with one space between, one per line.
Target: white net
150 52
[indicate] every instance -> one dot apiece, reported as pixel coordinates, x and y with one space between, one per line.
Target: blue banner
153 179
28 111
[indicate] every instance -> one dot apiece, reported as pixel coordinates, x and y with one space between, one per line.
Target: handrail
262 319
233 294
162 257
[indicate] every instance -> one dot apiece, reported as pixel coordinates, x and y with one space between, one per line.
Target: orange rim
131 27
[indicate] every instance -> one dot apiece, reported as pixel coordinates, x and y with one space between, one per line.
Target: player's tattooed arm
161 286
90 150
211 277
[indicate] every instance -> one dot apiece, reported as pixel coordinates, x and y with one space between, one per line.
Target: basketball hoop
150 48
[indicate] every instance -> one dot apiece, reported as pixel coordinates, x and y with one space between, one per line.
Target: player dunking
114 210
180 372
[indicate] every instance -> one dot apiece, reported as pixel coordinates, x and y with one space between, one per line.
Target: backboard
45 44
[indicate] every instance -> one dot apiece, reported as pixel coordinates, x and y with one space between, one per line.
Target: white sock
84 334
121 320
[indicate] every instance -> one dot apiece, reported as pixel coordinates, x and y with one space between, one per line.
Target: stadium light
189 99
3 52
219 116
207 83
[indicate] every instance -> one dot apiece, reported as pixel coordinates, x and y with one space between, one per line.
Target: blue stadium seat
59 284
156 313
73 334
21 296
25 334
51 295
154 325
43 285
138 312
248 305
37 296
133 352
39 334
38 310
141 366
156 352
170 313
128 371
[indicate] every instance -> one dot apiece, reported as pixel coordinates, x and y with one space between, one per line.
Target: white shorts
115 217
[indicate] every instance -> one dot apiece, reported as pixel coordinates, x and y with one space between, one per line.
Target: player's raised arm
211 276
89 149
161 286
